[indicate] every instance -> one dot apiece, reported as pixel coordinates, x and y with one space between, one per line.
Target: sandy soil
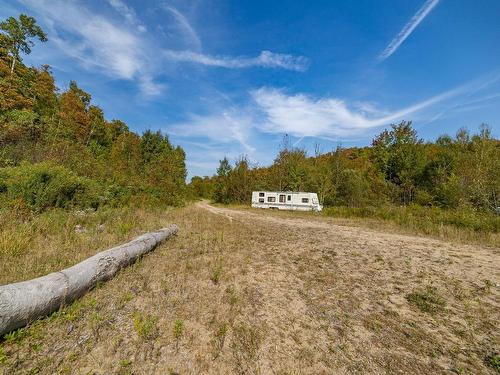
259 292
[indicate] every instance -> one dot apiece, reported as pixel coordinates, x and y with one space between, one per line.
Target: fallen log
24 302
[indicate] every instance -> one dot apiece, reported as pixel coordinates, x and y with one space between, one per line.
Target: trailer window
261 194
305 200
261 200
271 199
282 198
289 198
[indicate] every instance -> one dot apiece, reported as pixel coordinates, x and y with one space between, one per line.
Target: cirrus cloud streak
266 59
410 26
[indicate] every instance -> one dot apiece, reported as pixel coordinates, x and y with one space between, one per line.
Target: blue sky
225 78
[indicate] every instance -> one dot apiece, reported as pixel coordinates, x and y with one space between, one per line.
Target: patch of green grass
72 357
178 329
126 297
145 325
15 336
232 296
92 302
427 300
3 356
15 241
125 363
36 347
125 228
216 274
493 361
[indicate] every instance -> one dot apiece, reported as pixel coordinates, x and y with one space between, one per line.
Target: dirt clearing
254 292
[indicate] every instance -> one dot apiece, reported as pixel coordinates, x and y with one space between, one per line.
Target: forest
398 168
454 180
57 149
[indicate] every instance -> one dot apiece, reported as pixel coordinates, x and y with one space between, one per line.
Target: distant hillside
398 168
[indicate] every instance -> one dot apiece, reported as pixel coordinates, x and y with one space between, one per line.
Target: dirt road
247 291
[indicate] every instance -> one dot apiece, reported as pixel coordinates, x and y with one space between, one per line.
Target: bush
116 195
353 188
39 187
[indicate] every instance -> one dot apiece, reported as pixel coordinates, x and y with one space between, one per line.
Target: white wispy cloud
304 116
265 59
128 13
185 27
482 101
149 86
273 111
108 46
97 42
229 126
410 26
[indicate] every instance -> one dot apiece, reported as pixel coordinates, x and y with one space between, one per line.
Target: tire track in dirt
343 291
433 248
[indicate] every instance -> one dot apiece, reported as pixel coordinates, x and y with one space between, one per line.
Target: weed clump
178 329
493 361
216 274
427 300
145 325
15 336
3 357
125 362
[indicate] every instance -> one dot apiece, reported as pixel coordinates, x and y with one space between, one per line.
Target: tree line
398 168
57 148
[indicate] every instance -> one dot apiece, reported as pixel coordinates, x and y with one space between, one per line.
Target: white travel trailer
286 200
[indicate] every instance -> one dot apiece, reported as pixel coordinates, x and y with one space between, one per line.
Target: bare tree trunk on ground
26 301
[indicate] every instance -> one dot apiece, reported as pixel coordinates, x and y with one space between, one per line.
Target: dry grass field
258 292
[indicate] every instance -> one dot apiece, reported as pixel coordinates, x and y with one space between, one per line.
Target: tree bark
13 64
26 301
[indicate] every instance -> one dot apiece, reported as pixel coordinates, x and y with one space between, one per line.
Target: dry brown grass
411 226
254 292
34 246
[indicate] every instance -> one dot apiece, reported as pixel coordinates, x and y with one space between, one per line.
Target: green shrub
116 195
39 187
